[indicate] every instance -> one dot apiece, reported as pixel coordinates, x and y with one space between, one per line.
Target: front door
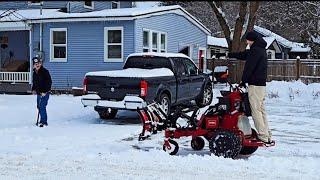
202 58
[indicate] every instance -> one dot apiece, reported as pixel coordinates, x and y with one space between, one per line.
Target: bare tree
245 20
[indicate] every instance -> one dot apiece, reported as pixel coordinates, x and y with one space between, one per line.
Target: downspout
30 55
41 28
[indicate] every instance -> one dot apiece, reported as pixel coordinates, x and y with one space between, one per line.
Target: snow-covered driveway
77 145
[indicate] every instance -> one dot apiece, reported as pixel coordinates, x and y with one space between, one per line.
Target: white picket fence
14 77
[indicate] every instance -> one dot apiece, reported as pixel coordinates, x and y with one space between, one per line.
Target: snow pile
134 72
296 90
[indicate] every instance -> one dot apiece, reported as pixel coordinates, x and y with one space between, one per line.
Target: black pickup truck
168 78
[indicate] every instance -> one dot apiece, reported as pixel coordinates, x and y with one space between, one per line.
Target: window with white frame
146 39
58 44
115 4
163 44
154 41
113 44
88 4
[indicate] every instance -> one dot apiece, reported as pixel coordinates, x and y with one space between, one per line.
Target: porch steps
17 88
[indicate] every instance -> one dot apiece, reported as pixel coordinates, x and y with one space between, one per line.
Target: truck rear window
147 62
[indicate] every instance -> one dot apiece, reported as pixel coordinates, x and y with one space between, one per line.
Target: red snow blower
225 125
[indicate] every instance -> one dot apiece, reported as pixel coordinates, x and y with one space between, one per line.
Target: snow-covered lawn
78 145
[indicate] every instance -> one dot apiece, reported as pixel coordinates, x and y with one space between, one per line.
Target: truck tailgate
113 88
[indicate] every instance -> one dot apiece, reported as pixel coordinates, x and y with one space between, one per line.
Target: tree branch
216 7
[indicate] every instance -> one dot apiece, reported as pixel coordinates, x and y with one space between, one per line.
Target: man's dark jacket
41 82
255 68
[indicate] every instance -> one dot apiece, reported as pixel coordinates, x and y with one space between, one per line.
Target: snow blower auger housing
225 126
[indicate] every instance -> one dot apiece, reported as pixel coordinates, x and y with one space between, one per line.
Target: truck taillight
144 88
85 83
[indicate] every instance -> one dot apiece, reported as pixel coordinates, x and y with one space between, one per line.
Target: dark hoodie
41 81
255 68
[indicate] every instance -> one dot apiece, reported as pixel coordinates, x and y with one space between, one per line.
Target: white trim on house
14 26
88 7
150 42
52 59
106 29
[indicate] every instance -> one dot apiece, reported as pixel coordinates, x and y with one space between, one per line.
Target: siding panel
85 50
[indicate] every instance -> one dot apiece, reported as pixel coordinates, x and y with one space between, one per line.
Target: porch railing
14 77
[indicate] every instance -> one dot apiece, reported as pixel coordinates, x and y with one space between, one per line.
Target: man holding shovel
41 86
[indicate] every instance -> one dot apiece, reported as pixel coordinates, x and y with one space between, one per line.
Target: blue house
75 37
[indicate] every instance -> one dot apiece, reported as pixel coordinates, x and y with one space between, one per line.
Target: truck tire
106 113
205 98
165 103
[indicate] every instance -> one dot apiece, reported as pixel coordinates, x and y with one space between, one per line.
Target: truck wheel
107 113
165 103
205 98
225 143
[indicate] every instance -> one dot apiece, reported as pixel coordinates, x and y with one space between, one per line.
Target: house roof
214 41
294 46
54 15
222 42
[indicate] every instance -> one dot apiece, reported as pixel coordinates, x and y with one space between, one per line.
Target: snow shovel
38 112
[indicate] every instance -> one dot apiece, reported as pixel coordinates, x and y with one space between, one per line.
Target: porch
15 58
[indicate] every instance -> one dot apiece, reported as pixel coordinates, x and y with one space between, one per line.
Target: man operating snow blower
255 74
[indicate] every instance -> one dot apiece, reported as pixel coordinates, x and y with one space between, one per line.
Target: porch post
30 54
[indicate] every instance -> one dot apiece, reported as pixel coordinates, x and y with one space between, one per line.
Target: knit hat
36 60
252 36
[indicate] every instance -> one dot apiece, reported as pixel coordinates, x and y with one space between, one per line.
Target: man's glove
242 84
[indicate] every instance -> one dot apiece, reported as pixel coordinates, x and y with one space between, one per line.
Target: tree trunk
239 26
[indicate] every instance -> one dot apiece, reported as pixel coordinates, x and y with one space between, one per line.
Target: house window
34 2
58 44
154 41
113 44
163 42
115 4
88 4
146 46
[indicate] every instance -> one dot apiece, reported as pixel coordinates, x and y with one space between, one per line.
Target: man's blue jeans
42 102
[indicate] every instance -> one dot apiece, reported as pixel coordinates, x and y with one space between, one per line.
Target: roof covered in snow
214 41
54 15
222 42
295 47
